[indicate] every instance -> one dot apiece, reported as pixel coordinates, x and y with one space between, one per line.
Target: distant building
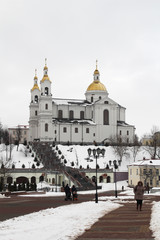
93 119
24 129
146 140
147 171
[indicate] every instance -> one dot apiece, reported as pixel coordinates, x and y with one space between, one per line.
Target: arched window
36 98
60 114
91 99
46 106
46 91
106 117
71 114
81 114
46 127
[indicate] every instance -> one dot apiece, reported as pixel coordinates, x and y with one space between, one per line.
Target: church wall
120 113
127 132
72 136
43 134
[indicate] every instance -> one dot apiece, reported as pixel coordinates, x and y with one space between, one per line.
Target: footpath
124 223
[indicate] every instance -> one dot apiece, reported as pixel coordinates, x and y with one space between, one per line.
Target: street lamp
96 153
115 180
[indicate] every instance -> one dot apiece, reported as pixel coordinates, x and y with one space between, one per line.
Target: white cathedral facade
96 118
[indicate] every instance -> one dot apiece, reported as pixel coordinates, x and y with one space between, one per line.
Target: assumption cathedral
96 118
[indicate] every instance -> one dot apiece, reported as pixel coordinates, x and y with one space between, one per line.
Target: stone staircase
47 155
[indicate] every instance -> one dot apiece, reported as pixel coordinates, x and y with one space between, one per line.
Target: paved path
124 223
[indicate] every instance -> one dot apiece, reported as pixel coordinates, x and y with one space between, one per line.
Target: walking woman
139 192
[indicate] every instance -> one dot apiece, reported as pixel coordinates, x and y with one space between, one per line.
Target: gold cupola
96 85
45 72
35 82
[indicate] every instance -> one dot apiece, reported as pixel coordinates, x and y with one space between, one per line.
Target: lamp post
96 153
115 180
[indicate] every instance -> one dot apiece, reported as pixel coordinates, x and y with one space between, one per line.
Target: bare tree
5 165
18 135
120 146
153 148
136 147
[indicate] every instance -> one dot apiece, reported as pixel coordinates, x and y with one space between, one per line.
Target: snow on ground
155 220
62 223
74 153
68 222
18 158
79 155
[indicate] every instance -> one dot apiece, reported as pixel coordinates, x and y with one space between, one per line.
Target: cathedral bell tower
45 107
34 109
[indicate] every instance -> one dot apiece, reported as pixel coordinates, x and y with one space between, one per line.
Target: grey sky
124 35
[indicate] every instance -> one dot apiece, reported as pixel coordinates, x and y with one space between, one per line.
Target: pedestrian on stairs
139 192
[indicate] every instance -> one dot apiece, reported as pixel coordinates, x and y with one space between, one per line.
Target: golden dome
35 77
35 87
45 67
96 71
45 77
96 86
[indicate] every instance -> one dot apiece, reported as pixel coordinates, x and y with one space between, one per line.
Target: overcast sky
124 35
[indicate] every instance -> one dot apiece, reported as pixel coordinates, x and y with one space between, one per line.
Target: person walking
74 193
139 192
67 192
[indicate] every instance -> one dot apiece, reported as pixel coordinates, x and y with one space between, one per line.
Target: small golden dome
45 77
35 87
45 67
96 86
96 71
35 77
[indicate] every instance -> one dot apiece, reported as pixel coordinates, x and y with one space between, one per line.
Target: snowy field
68 222
72 154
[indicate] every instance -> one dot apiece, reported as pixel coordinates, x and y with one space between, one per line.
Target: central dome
96 86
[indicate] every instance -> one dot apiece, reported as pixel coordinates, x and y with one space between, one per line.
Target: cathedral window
36 98
91 99
64 129
81 114
99 97
36 113
87 130
120 132
76 130
106 102
106 117
71 114
46 106
127 132
55 131
46 127
60 114
46 91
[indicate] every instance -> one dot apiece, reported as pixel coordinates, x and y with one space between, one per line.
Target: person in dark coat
67 192
139 192
147 188
74 193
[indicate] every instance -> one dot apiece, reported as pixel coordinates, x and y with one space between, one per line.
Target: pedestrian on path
139 192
